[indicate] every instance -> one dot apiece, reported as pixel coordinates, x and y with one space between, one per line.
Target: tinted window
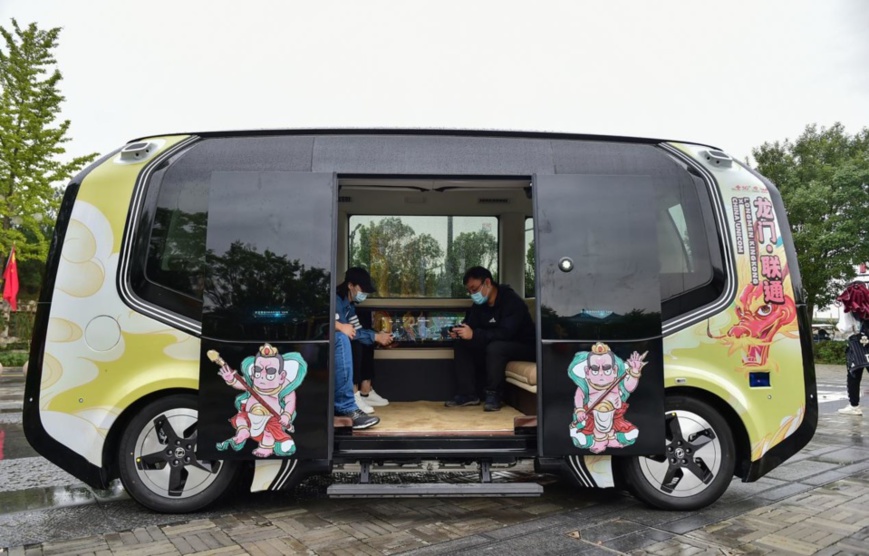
689 252
603 228
423 256
682 241
268 260
692 271
176 249
169 253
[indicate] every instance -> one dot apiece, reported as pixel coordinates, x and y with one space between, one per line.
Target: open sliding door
264 389
600 371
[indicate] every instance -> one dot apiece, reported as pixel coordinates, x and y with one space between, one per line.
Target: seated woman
354 289
363 370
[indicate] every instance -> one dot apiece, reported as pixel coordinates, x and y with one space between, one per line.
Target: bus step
421 490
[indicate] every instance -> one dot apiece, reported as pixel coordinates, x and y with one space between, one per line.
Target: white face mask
479 297
360 296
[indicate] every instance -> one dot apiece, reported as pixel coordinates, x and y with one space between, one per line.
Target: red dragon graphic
758 324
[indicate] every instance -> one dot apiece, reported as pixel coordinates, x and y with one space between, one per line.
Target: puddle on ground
13 444
58 497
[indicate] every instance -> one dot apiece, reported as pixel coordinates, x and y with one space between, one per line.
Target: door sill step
422 490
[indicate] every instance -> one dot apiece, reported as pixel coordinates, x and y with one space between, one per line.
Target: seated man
354 289
497 329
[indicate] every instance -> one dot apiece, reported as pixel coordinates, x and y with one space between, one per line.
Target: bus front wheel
157 459
698 463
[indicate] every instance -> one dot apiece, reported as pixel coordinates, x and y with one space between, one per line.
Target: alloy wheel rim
692 458
165 456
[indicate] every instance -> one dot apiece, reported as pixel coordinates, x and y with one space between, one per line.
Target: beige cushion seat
522 374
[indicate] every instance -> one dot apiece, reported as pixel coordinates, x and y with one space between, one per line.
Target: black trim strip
52 450
124 286
286 472
580 471
731 280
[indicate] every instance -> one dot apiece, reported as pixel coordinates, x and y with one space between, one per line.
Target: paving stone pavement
816 503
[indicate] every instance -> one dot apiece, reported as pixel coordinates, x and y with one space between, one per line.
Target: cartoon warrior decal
267 406
604 382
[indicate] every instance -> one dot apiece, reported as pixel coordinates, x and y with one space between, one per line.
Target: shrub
831 352
21 324
13 358
17 346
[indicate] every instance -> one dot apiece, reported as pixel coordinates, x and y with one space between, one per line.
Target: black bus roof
431 132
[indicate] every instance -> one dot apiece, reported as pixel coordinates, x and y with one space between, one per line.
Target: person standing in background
855 302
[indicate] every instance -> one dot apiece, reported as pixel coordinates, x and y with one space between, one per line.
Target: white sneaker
375 399
851 410
362 404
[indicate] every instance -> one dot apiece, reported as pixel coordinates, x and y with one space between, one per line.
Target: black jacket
508 319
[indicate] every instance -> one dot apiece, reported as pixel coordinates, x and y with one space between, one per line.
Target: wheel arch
737 426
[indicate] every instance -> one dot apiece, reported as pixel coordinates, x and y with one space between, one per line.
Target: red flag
10 284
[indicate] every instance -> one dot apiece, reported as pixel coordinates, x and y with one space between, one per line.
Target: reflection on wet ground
57 497
13 444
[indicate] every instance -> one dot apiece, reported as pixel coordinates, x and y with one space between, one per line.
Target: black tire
699 463
157 463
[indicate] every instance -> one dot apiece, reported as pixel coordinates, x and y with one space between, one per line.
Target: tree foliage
823 177
479 248
403 263
400 262
530 272
31 140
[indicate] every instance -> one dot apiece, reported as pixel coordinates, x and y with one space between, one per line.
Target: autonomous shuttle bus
190 293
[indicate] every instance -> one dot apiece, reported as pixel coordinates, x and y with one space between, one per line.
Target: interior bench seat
522 374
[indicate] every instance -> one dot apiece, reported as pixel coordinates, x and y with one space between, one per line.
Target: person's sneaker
493 401
374 399
851 410
360 419
362 404
462 400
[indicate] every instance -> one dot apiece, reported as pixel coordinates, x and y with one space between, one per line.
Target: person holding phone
354 289
497 329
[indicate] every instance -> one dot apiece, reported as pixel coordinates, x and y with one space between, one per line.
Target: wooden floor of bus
433 419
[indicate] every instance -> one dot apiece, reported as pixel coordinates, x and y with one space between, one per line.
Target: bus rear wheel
157 459
698 463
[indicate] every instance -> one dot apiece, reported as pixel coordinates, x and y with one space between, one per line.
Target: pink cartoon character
603 384
267 406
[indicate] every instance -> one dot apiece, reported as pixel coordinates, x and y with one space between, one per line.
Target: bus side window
688 246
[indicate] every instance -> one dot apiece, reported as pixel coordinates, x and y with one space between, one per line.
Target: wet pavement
816 503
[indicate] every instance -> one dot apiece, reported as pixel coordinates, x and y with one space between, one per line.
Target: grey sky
733 74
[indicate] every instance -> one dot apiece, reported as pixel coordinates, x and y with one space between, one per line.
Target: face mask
361 296
478 297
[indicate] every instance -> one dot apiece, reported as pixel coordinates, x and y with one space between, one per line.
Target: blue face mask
478 297
361 296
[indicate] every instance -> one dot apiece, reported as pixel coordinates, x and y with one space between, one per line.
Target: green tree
400 262
31 140
469 249
823 177
529 270
242 280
